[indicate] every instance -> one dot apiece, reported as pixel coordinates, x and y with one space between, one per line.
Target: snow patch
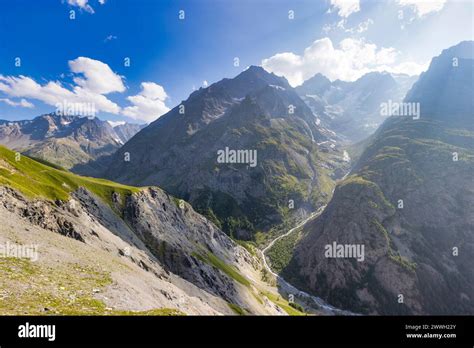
346 157
277 87
116 123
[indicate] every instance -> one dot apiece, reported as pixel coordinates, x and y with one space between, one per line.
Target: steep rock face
157 255
408 251
140 248
256 112
180 238
68 141
410 201
126 131
353 109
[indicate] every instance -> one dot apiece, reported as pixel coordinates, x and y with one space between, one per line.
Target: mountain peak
256 68
257 74
314 85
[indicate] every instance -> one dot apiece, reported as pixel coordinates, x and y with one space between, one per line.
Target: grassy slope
31 288
65 290
216 262
46 181
37 180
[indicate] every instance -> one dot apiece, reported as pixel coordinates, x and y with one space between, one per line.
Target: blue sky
82 59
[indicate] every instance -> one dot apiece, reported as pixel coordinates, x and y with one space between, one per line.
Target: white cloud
83 4
352 59
423 7
345 8
205 83
363 26
110 38
149 104
341 24
53 93
99 78
23 103
93 80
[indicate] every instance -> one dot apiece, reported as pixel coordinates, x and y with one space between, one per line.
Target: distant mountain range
68 141
353 109
410 201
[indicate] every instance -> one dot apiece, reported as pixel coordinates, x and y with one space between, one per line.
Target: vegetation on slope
216 262
67 289
289 308
281 252
38 180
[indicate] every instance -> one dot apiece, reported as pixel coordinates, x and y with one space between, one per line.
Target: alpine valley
229 202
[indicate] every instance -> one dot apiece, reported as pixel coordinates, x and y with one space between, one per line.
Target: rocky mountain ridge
68 141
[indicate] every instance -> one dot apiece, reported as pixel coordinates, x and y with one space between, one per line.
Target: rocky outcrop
172 250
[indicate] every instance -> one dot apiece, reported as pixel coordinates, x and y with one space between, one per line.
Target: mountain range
68 141
353 109
172 217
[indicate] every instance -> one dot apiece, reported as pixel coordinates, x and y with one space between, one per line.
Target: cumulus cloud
82 4
98 77
423 7
345 8
23 103
53 93
349 61
93 81
149 104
